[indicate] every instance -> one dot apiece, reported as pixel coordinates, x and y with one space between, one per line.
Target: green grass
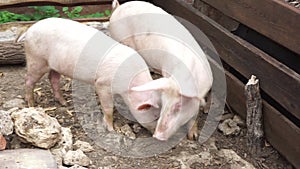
42 12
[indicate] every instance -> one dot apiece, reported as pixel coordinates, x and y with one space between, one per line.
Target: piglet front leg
193 129
106 101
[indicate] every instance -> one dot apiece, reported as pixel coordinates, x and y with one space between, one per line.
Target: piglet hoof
193 134
63 102
108 126
30 103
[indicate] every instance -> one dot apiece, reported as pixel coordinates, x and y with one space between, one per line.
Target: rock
2 142
58 156
27 158
238 120
6 123
35 127
223 117
77 167
14 103
66 141
76 157
210 144
233 160
229 128
6 128
8 35
73 167
127 131
15 142
136 128
62 167
83 146
64 145
186 159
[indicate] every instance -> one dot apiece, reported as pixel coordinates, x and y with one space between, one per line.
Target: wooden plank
279 131
277 80
272 18
224 20
48 2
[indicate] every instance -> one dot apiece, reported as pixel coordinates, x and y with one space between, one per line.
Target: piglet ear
194 96
147 105
158 84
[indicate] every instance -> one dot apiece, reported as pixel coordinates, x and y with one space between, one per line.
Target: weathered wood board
272 18
48 2
277 80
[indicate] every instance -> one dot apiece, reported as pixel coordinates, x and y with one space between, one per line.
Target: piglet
65 47
167 46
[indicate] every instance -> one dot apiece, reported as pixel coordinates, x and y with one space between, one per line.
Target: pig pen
187 154
218 152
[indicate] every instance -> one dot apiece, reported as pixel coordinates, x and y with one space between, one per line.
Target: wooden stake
254 119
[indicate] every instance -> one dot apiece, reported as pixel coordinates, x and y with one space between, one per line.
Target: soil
12 86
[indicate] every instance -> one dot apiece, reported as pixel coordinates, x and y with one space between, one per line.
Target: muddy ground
186 154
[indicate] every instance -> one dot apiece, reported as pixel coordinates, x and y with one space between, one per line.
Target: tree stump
254 119
12 53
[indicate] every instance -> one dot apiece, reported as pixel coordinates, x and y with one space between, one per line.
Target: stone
186 159
223 117
58 156
136 127
83 146
34 126
233 160
14 103
66 141
64 145
127 131
27 158
238 120
77 167
76 157
6 123
6 128
210 144
229 128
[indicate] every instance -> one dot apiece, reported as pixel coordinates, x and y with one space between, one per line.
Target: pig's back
59 41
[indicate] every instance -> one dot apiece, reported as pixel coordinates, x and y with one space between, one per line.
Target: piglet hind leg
54 78
106 101
34 74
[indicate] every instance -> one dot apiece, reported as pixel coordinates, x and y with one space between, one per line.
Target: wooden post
254 119
11 53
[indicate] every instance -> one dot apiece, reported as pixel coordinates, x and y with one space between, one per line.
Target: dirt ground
183 155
